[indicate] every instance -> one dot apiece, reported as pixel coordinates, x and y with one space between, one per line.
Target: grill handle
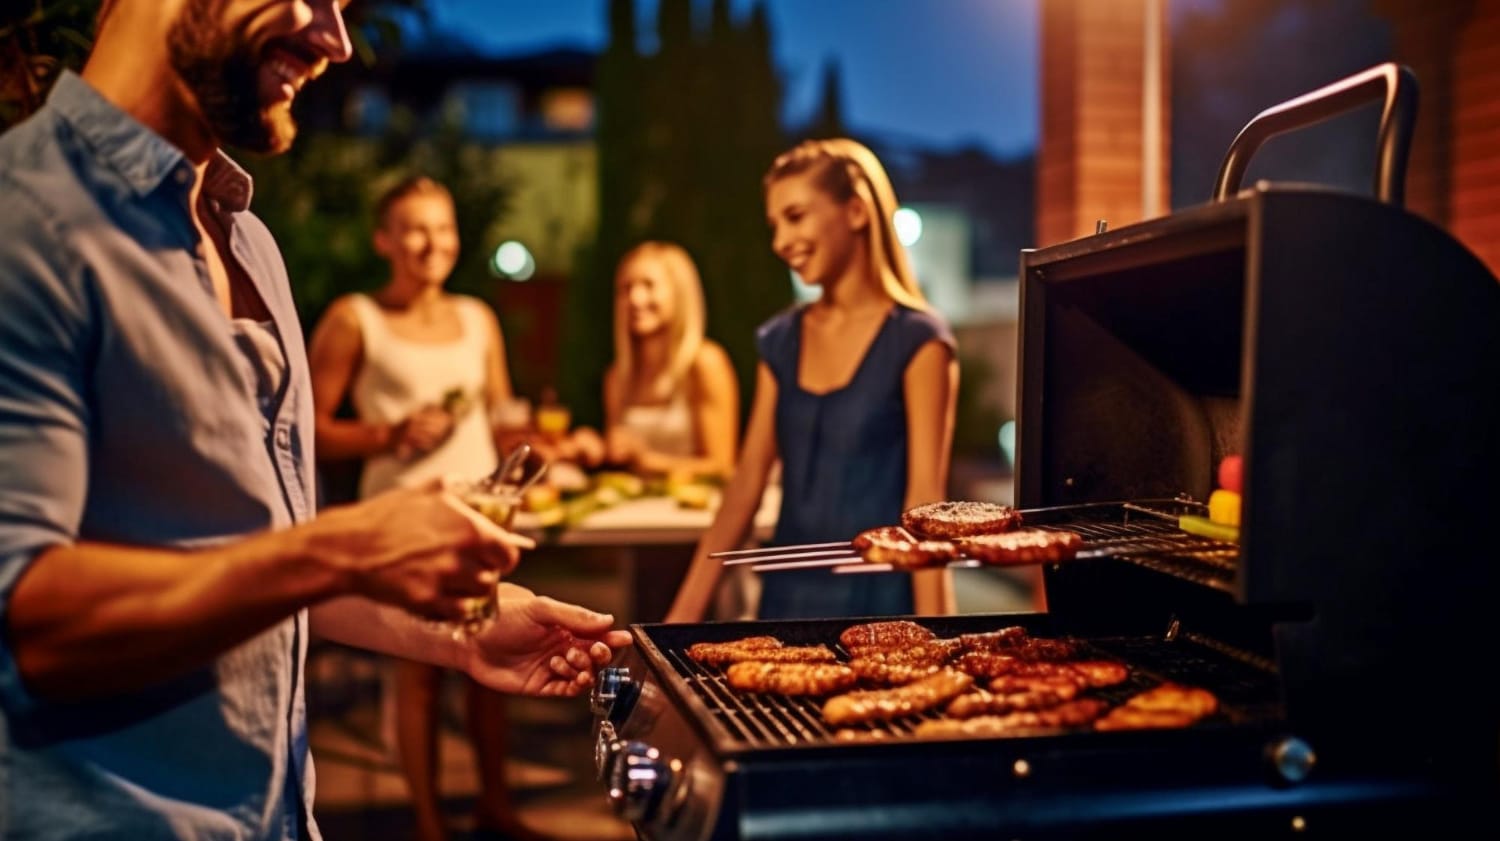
1396 83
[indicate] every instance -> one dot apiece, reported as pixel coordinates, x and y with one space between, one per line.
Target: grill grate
764 720
1146 534
1245 690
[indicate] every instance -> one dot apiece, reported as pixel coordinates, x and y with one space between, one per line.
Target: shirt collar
141 156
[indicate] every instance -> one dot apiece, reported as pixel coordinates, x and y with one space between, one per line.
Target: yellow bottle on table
553 420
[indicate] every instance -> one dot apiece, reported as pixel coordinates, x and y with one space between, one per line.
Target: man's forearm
92 619
362 623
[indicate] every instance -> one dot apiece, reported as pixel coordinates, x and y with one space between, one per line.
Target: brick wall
1453 177
1474 214
1089 160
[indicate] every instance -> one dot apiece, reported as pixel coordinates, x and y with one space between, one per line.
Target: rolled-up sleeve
43 403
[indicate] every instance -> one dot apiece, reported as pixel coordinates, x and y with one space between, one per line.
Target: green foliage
37 40
683 139
976 422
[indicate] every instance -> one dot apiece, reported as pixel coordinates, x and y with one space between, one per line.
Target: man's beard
224 77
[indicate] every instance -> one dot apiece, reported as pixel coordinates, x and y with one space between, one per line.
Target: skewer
847 564
772 550
842 558
787 556
813 563
863 567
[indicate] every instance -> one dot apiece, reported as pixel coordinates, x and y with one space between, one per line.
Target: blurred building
535 113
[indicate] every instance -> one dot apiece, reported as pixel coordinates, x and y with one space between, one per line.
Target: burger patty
1025 546
953 520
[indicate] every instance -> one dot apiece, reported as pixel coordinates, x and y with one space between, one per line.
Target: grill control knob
607 747
614 692
638 781
1292 759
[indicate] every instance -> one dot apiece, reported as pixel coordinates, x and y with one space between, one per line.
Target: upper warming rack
1143 532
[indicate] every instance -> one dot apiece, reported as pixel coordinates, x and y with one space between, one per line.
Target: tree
620 143
683 138
829 120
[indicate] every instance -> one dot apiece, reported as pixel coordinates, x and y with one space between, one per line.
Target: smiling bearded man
161 570
245 90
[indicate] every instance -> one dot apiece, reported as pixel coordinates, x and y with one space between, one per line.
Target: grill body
758 767
1350 352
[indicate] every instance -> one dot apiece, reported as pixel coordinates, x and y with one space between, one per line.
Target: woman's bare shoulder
342 314
711 356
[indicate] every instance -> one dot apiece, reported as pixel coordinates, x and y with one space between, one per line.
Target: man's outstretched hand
541 646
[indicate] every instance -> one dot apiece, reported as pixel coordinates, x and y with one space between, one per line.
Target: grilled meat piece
1063 681
893 667
864 539
1069 714
857 734
1131 718
790 678
1005 659
1097 673
736 651
746 643
1001 640
980 702
1026 546
898 633
907 553
869 705
1048 650
1167 705
930 653
1175 696
951 520
1045 661
987 664
873 670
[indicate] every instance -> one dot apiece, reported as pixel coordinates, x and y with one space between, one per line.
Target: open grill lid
1350 351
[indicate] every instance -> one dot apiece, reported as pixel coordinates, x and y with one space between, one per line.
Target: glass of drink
498 504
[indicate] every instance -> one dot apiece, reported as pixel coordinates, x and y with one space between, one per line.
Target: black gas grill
1351 352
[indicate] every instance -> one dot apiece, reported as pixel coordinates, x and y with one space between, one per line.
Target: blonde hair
846 169
409 186
684 333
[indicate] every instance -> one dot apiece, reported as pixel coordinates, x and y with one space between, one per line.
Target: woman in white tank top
422 367
670 397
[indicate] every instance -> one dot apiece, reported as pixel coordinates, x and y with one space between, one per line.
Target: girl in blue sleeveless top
855 394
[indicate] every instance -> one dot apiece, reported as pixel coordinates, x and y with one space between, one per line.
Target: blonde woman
855 394
422 367
670 397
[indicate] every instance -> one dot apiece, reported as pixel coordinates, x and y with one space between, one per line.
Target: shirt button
183 176
283 438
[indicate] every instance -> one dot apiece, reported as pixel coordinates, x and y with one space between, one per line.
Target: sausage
790 678
870 705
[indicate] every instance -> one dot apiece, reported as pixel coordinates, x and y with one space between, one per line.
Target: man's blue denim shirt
129 415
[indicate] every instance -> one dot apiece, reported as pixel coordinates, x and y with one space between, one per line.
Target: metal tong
532 466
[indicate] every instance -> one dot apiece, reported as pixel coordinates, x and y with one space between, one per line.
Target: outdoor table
648 543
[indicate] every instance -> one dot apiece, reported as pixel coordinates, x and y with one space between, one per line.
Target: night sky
940 73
